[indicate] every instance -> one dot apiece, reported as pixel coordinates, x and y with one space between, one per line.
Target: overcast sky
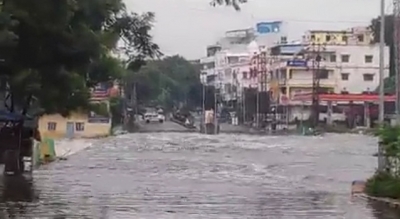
186 27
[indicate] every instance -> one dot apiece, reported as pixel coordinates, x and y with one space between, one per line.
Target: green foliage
387 183
116 110
389 84
57 50
166 82
383 185
100 108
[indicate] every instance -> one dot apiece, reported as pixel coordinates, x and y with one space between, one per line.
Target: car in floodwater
154 117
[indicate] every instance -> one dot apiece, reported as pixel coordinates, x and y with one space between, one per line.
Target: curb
358 188
387 201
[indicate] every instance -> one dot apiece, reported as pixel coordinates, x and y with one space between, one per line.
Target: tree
389 83
166 82
234 3
57 50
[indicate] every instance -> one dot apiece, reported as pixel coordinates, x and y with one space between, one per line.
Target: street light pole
381 63
381 159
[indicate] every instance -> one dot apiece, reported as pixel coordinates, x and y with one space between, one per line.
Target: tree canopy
167 82
57 50
389 83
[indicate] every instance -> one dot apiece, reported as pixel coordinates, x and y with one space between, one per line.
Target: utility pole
316 59
244 104
382 64
381 158
203 100
396 12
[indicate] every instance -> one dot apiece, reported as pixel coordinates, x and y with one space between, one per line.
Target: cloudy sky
186 27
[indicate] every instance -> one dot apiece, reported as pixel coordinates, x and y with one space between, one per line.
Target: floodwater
184 176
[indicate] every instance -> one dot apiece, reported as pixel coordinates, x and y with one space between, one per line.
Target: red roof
343 97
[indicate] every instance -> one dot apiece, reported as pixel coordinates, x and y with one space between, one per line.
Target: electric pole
396 13
382 64
381 158
316 68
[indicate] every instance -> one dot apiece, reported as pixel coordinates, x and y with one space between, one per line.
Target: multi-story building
349 63
352 36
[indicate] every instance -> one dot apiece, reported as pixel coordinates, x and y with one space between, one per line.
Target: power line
389 10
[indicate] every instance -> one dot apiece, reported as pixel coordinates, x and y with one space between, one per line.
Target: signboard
291 49
237 33
268 27
296 63
95 118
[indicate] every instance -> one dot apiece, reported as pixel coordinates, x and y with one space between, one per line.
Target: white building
355 68
352 68
349 63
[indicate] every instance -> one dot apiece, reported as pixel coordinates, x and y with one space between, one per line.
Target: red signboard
344 97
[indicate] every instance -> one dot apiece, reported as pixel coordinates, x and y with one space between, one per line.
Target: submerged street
189 175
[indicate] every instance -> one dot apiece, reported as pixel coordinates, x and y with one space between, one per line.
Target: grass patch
383 184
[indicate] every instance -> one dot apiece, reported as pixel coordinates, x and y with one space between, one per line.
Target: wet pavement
189 175
167 126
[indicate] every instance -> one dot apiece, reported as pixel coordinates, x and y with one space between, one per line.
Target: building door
70 130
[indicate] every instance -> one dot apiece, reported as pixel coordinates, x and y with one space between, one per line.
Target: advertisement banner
95 118
297 63
268 27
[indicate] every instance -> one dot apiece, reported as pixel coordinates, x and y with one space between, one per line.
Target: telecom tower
396 21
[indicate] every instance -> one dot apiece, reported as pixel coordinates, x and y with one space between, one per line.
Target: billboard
269 27
237 33
95 118
291 49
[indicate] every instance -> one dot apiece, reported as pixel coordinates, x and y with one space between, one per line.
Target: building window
345 76
344 39
360 38
368 58
328 38
346 58
244 74
80 126
323 74
368 77
332 58
51 126
312 37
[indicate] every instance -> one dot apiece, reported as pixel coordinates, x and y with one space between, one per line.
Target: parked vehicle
154 117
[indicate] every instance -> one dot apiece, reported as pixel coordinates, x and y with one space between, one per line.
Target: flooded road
188 175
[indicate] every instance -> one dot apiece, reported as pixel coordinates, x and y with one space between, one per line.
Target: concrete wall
90 129
357 67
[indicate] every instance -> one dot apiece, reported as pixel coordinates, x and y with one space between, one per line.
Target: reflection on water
15 195
17 189
382 211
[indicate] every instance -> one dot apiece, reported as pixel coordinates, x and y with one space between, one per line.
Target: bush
383 184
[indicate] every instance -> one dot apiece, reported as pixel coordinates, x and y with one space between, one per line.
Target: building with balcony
352 36
349 64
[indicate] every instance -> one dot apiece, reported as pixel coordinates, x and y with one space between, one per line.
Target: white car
154 117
